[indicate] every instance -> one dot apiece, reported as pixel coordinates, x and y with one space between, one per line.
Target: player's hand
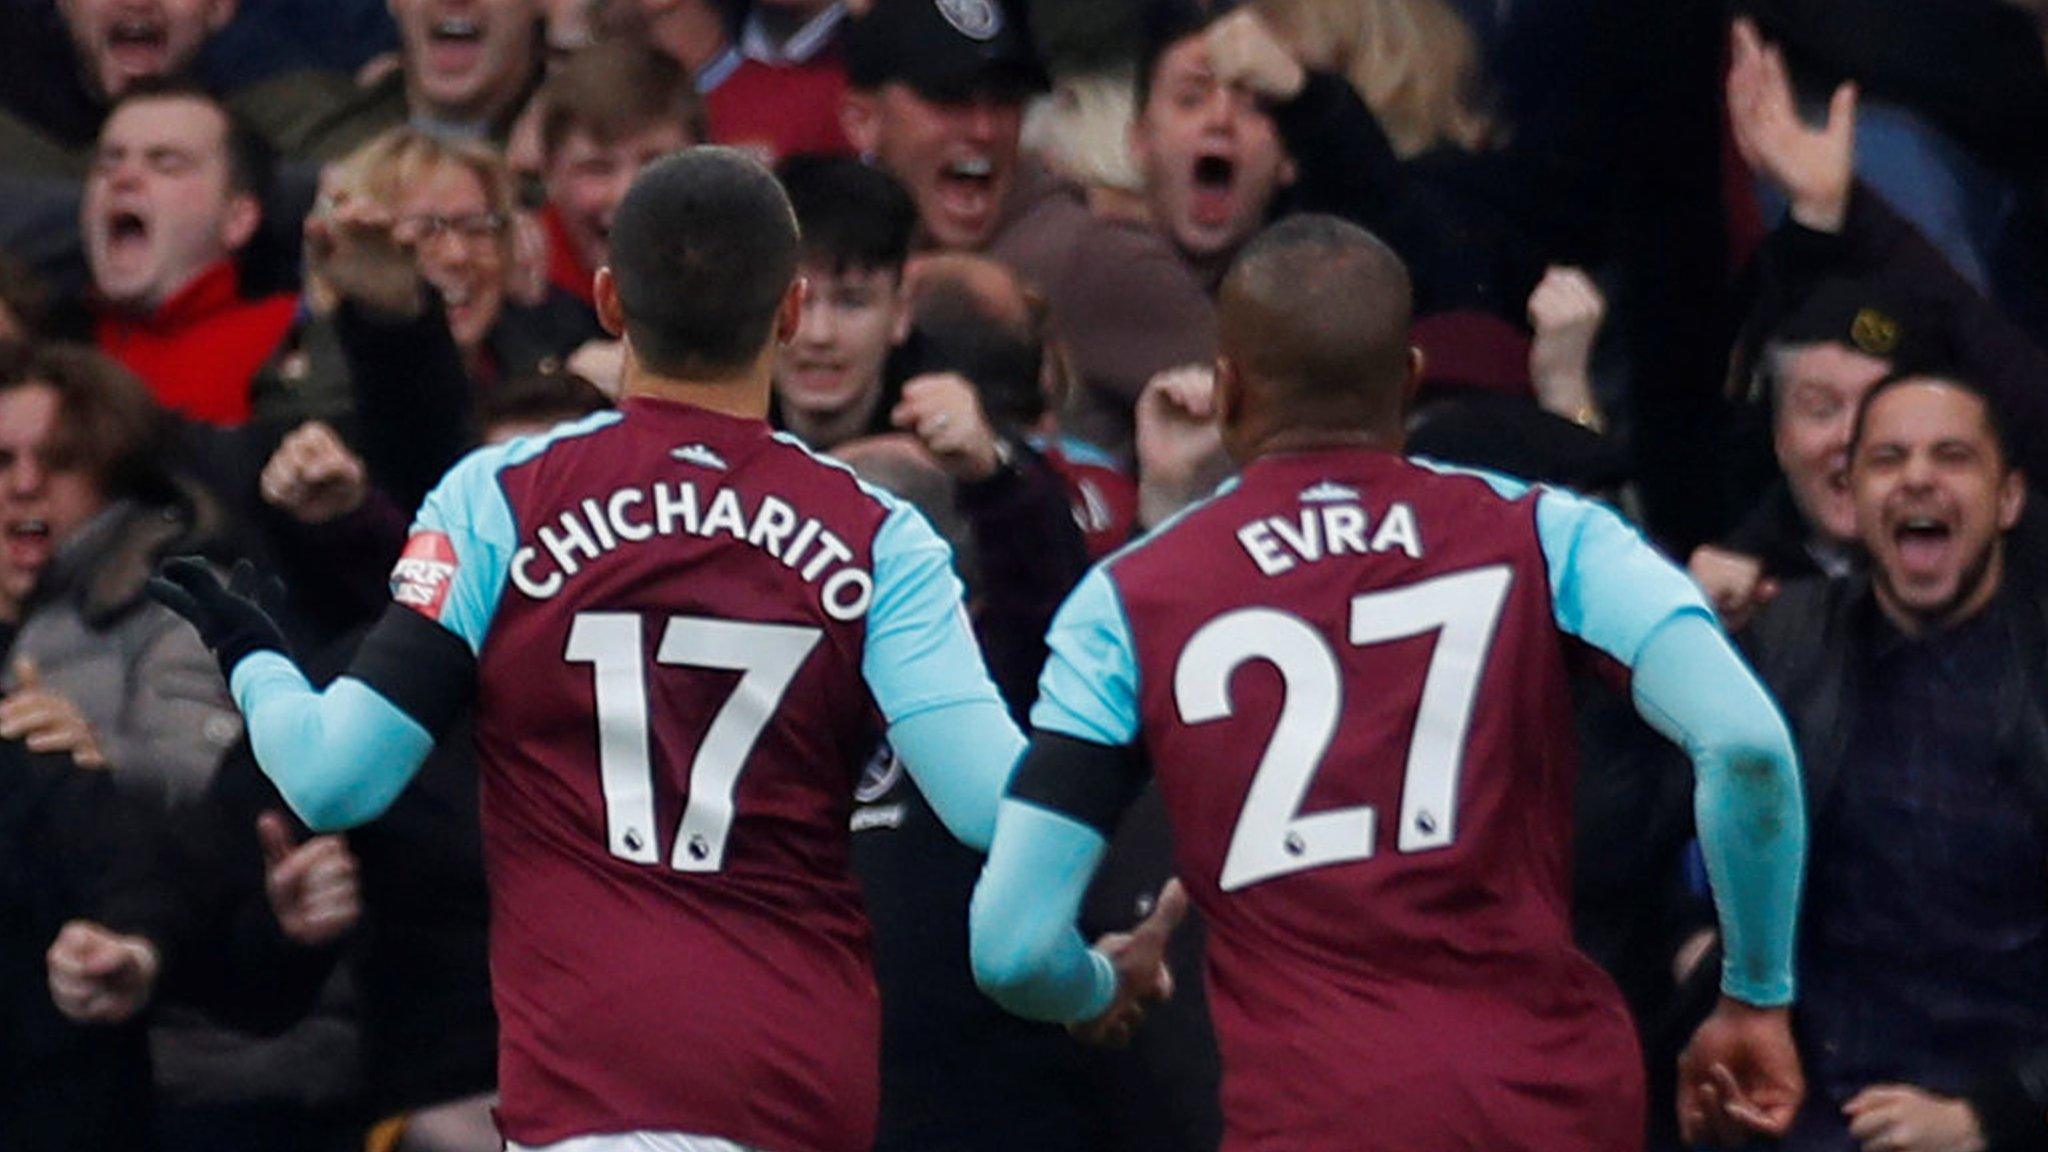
47 721
1902 1118
98 976
1734 583
313 477
1180 446
1814 168
943 410
1740 1076
313 887
355 250
1565 312
228 619
1142 975
1245 54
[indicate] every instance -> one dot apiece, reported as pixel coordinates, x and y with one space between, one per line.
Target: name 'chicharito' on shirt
634 514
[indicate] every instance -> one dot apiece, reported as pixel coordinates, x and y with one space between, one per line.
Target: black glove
229 620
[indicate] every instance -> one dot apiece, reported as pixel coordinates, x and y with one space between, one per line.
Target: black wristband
1092 783
423 668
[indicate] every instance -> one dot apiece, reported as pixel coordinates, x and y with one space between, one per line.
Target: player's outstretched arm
1613 591
1066 798
1624 599
946 720
1071 789
1690 684
1053 829
339 756
1740 1076
1026 952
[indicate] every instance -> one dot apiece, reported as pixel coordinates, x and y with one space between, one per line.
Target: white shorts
635 1142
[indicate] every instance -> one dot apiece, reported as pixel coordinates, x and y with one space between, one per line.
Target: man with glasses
409 319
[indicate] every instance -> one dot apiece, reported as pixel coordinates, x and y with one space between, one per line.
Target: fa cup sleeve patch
425 571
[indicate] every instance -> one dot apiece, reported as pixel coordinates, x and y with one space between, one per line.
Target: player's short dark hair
1317 310
252 162
853 216
1163 25
1994 411
703 248
551 395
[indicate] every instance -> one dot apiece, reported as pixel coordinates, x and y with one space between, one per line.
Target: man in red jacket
173 197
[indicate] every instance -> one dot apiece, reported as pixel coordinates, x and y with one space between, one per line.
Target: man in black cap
936 96
1852 292
1814 369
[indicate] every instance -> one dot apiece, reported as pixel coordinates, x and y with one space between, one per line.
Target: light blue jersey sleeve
1615 592
925 671
1026 951
1608 586
470 510
1089 689
338 756
342 755
1749 806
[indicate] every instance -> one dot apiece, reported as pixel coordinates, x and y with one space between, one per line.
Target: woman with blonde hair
448 201
1081 130
1414 62
1382 105
409 266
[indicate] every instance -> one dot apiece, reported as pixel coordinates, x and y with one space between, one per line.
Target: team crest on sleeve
425 571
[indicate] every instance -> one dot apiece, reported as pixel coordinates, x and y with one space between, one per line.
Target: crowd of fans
1774 278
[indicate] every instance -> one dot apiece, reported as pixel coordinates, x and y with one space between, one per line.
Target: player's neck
1300 439
744 395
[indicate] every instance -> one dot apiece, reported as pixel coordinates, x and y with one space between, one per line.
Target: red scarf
199 351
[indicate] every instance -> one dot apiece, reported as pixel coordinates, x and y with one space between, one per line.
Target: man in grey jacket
101 672
85 513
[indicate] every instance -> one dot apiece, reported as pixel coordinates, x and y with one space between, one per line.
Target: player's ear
789 315
611 312
1417 363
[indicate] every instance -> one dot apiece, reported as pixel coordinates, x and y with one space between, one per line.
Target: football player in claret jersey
1349 672
681 635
